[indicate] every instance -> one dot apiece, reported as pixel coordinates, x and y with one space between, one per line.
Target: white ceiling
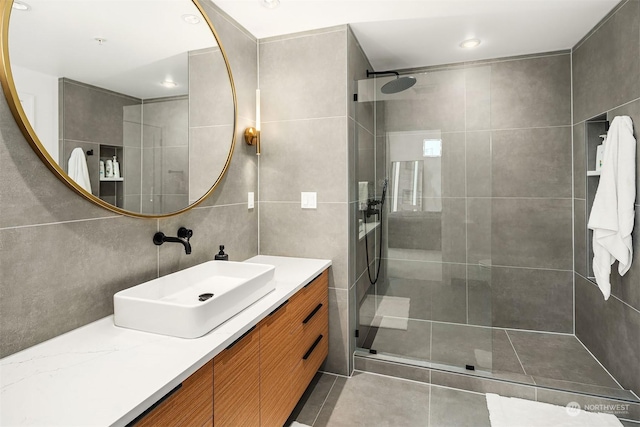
146 43
399 34
147 40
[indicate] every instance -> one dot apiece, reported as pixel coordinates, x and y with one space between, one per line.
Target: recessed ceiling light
169 83
271 4
18 5
100 40
470 44
191 19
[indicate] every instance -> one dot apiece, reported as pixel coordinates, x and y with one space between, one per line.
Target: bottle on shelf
600 153
116 168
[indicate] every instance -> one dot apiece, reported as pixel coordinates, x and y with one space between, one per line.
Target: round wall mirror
130 102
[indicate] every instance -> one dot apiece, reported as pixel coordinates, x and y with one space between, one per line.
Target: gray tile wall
303 91
507 191
606 80
531 206
62 258
93 114
610 330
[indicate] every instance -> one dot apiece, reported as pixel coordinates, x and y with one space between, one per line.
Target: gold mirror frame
11 95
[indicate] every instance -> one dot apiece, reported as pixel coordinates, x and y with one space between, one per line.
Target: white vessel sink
179 304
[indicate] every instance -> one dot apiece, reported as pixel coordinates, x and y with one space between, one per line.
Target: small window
432 148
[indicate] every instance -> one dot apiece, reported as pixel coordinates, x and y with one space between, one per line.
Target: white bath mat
392 312
513 412
297 424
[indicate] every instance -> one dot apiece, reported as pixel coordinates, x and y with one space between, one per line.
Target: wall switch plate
250 200
309 200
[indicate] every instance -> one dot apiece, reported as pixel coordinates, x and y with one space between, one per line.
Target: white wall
41 91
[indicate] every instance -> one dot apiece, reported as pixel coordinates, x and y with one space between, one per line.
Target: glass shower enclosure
431 304
427 293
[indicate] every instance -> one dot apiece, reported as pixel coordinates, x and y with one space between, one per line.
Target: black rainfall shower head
398 85
394 86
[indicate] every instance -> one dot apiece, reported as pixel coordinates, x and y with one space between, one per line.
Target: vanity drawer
310 355
311 347
189 405
309 298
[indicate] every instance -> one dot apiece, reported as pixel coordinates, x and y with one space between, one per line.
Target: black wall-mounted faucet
372 203
184 234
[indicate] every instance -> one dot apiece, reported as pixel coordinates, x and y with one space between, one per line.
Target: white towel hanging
613 214
78 170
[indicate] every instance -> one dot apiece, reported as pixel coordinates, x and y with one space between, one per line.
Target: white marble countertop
102 375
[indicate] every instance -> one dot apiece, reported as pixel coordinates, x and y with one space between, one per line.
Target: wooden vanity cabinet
258 379
189 405
286 336
236 383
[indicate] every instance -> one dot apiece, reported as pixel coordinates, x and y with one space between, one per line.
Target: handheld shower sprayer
372 210
384 191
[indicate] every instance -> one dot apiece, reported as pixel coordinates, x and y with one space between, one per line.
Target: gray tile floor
373 400
559 361
368 399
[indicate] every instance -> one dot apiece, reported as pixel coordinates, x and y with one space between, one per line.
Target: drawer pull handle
155 405
313 313
278 308
240 338
313 347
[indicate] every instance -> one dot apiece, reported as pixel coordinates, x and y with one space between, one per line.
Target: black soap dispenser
221 256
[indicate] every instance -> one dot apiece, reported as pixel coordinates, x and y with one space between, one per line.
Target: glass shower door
432 304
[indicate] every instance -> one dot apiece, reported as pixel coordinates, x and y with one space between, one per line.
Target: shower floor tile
558 357
414 342
461 345
504 356
546 359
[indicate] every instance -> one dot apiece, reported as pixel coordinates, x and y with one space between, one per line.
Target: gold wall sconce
252 134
